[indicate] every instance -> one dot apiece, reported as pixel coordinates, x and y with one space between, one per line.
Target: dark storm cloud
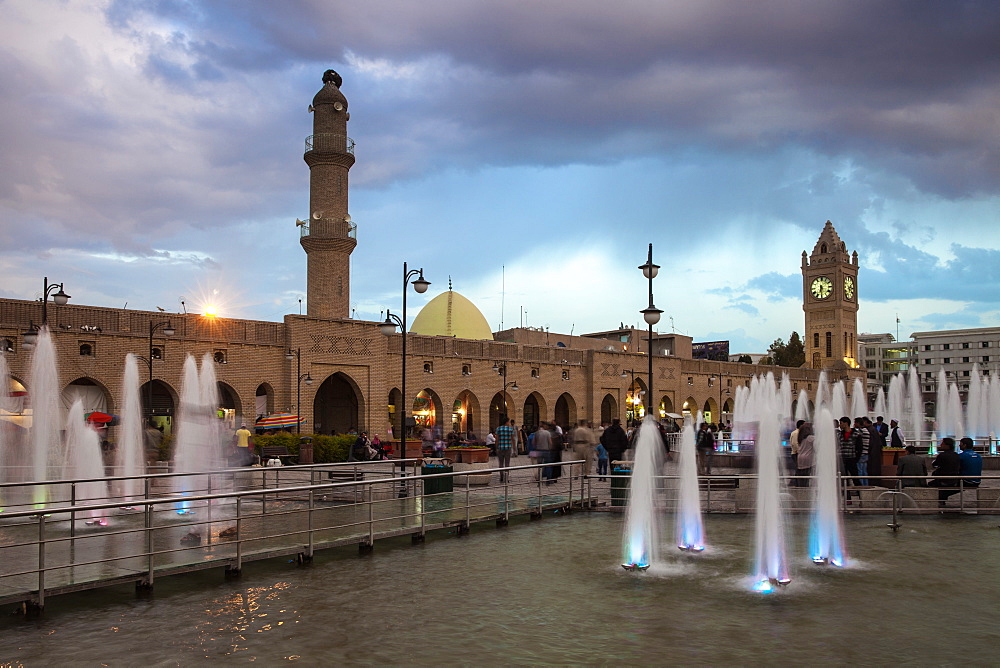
162 122
911 87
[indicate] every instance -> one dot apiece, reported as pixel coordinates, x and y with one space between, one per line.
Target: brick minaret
328 237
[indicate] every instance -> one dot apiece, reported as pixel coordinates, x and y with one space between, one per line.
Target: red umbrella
98 417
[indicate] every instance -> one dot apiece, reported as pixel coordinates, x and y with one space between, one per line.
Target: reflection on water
552 592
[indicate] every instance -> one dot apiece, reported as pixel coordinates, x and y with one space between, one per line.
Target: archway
263 400
92 394
609 409
337 406
635 401
727 409
465 415
15 404
164 400
689 408
565 413
395 401
501 405
427 411
710 411
534 410
666 405
230 407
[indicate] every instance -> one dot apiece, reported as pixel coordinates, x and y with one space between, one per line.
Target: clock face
822 287
849 287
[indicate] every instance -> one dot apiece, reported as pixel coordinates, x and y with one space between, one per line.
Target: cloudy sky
152 152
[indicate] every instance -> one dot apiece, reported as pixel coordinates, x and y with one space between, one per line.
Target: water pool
552 592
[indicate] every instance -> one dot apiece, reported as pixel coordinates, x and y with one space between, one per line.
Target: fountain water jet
83 452
642 520
914 425
770 563
826 535
802 407
859 403
47 454
838 403
690 532
198 440
879 403
130 455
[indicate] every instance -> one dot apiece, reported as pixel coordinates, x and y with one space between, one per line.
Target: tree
745 359
795 351
792 354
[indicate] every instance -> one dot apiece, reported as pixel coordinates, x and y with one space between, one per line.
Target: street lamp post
651 315
168 330
60 298
297 356
389 328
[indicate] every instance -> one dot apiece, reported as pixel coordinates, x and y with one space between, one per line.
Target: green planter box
437 485
619 487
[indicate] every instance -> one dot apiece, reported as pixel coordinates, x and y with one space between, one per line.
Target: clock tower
830 302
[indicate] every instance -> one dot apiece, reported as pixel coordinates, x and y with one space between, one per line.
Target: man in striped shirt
506 440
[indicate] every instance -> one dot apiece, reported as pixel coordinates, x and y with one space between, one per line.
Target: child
602 461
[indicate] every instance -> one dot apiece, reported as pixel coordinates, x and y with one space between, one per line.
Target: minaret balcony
328 142
338 229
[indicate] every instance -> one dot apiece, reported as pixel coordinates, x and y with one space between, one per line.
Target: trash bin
305 450
620 478
437 485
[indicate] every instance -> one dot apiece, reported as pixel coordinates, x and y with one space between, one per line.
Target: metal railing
234 516
335 229
337 143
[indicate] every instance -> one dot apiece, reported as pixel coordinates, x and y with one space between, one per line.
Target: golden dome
451 314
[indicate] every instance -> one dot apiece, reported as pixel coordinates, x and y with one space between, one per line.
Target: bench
279 451
718 482
380 491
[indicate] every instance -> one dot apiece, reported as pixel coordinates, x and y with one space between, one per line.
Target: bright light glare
211 310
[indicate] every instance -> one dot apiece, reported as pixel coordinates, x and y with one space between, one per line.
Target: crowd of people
546 443
860 444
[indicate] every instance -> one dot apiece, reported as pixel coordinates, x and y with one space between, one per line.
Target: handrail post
209 502
41 560
263 491
371 516
468 501
239 533
312 507
72 513
570 497
148 528
708 495
895 506
506 498
540 469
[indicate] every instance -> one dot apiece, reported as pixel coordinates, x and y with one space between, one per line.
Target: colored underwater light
691 548
635 567
770 585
